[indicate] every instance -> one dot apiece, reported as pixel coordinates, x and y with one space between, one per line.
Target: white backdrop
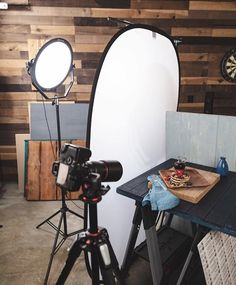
137 84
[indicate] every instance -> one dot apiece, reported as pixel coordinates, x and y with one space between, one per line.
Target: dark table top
217 210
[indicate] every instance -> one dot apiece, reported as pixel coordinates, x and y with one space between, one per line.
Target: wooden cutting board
195 194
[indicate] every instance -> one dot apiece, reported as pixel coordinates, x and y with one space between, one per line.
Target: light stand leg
65 209
48 220
65 235
53 251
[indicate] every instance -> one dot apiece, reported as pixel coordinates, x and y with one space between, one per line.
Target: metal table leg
200 233
137 219
149 218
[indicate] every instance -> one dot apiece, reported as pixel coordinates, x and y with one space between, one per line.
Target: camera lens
109 170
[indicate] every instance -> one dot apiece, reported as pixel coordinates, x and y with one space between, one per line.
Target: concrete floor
25 250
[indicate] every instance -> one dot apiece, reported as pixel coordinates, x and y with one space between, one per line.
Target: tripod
95 241
63 210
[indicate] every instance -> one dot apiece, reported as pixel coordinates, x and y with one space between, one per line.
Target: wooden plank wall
207 30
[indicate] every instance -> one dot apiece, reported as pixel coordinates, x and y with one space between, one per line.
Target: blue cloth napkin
158 196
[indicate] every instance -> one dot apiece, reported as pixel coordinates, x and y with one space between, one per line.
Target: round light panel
52 64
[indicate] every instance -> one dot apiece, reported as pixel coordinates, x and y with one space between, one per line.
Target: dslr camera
74 170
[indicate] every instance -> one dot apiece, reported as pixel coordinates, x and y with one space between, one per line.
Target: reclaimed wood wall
207 30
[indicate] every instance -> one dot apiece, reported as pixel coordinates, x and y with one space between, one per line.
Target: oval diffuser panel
136 83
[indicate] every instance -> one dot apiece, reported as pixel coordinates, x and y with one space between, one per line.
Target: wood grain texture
153 4
47 181
68 3
17 2
8 170
212 5
195 194
41 184
213 15
33 168
7 132
197 107
204 32
52 30
83 3
37 20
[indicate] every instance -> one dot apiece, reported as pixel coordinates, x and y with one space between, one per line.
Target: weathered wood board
40 183
195 194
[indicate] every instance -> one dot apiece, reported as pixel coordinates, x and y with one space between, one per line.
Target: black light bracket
67 90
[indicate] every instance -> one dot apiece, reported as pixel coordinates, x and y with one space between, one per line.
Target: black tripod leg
107 275
71 259
85 252
115 264
105 264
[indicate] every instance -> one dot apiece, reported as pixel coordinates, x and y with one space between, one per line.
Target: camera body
70 169
74 169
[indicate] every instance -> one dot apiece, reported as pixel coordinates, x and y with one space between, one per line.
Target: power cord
49 132
54 154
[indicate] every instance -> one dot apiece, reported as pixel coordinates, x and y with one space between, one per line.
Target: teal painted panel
226 140
193 136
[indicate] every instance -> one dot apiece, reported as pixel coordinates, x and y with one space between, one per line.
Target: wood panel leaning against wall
207 30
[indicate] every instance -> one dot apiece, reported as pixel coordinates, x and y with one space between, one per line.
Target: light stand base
61 230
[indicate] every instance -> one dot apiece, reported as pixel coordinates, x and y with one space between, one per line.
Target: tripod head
74 170
92 189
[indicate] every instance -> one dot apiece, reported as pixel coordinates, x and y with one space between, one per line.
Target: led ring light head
51 66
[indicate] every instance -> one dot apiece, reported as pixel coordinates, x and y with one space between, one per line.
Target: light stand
50 68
